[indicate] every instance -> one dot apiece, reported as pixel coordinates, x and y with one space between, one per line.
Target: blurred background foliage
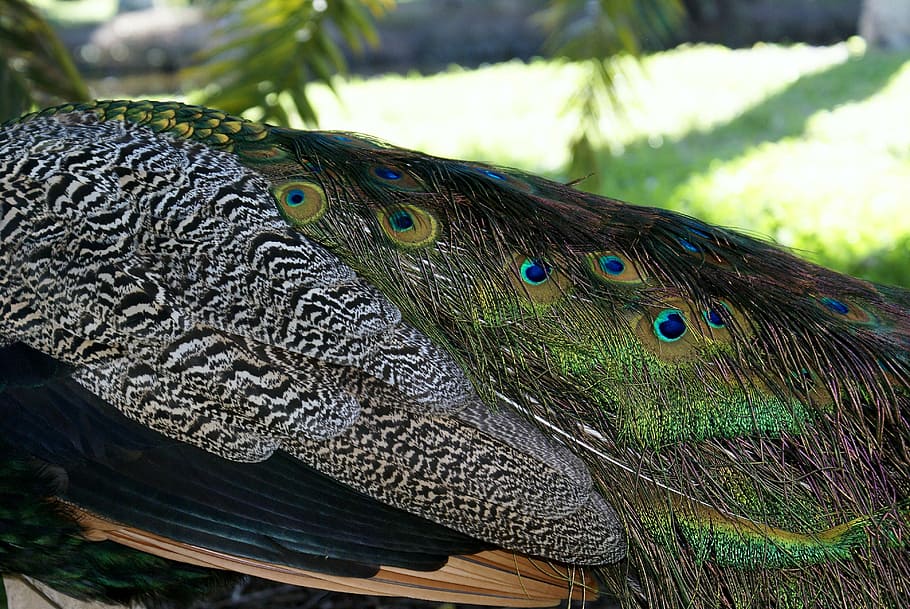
33 62
769 116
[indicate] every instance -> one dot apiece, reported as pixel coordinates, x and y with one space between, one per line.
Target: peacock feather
739 412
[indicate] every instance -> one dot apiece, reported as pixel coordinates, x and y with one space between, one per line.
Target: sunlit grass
804 145
510 113
77 11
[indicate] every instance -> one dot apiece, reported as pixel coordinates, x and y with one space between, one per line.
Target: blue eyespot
611 265
714 319
688 245
387 173
492 174
295 197
401 221
535 271
670 325
835 305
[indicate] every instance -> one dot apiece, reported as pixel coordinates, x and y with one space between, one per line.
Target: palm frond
597 31
34 65
267 47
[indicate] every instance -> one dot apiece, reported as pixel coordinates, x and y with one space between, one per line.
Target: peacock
229 348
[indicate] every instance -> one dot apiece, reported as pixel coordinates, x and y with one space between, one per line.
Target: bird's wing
276 518
162 274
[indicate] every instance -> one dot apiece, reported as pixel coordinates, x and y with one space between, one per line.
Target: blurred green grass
806 146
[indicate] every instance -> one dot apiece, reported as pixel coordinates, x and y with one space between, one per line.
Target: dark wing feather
161 273
278 510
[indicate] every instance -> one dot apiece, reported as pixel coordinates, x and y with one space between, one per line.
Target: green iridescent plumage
743 410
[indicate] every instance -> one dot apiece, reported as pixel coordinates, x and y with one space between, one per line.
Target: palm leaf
34 65
597 32
268 47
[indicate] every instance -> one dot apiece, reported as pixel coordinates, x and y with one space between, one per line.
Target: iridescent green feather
744 409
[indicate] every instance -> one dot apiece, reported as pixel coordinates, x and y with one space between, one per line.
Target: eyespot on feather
536 278
714 318
409 226
301 202
670 325
846 309
732 322
668 330
501 177
613 267
394 177
688 246
716 321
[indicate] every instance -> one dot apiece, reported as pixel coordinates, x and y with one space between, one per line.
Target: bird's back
716 423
